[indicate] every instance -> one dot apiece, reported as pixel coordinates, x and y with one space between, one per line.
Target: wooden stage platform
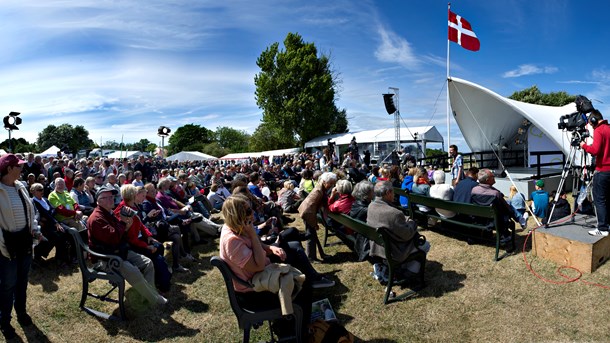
569 244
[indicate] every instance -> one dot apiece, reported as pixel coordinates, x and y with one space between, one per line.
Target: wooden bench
107 268
490 217
330 231
381 237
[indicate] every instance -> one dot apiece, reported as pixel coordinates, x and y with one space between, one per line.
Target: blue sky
123 68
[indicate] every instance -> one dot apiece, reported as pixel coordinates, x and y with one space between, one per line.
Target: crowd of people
131 207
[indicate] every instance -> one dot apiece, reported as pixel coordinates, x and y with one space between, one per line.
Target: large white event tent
190 156
269 153
125 154
372 139
489 121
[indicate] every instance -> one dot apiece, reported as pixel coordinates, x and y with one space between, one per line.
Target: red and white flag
461 32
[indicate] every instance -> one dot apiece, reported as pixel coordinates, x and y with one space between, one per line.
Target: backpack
329 332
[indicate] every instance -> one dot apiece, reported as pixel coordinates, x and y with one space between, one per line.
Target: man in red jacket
601 179
107 235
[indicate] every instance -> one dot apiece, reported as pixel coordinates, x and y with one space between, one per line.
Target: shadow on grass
439 281
47 274
34 334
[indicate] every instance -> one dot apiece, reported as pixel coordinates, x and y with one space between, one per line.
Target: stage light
12 120
388 99
163 131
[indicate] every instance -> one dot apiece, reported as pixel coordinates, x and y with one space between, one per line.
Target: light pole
163 132
10 123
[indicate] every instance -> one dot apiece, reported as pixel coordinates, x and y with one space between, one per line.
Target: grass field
469 298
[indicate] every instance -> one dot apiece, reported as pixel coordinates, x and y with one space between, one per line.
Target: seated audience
401 229
289 199
540 201
341 198
241 249
442 190
363 194
51 229
66 209
139 238
216 197
462 191
517 201
107 236
82 197
485 194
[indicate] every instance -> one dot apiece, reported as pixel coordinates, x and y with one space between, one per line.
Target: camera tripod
574 148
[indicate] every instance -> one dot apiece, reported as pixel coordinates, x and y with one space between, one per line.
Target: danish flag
461 32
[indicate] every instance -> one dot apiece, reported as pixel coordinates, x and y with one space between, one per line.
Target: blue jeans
601 198
13 285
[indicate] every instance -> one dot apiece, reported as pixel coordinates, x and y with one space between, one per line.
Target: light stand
10 123
163 132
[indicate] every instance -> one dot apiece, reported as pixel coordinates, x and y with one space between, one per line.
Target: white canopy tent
190 156
2 152
407 135
269 153
52 151
489 121
125 154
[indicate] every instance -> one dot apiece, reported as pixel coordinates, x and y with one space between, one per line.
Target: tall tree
533 95
19 145
296 89
232 139
189 137
65 137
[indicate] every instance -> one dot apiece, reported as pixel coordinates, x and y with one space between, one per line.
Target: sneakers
189 258
181 269
322 282
161 300
598 232
526 215
523 222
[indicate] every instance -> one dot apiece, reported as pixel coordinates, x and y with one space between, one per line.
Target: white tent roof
486 118
426 133
190 156
271 153
52 151
2 152
125 154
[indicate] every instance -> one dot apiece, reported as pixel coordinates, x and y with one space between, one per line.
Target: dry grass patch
469 298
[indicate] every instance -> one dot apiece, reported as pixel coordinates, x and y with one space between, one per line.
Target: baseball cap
105 189
540 183
9 160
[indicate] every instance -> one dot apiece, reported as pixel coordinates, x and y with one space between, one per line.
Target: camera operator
601 179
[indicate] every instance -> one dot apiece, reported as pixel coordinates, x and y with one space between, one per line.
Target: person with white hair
316 200
441 190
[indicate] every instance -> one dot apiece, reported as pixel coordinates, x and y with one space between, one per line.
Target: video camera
576 122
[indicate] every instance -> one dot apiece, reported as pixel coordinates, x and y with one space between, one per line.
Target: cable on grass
559 270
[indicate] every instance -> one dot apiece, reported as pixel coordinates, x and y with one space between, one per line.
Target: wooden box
569 244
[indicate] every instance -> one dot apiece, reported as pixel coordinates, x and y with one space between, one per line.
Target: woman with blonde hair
288 199
517 201
242 250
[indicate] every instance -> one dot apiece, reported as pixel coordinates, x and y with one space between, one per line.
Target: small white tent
190 156
52 151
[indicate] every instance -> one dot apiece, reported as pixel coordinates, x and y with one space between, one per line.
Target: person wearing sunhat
18 228
540 201
108 235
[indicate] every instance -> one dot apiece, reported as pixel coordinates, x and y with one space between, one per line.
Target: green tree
231 139
19 145
65 137
266 137
296 89
533 95
189 138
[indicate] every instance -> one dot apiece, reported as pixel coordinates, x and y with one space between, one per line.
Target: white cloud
529 69
395 49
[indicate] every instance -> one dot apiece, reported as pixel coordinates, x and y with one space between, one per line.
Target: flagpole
447 80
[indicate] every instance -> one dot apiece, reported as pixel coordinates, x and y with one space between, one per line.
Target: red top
136 228
343 204
601 146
